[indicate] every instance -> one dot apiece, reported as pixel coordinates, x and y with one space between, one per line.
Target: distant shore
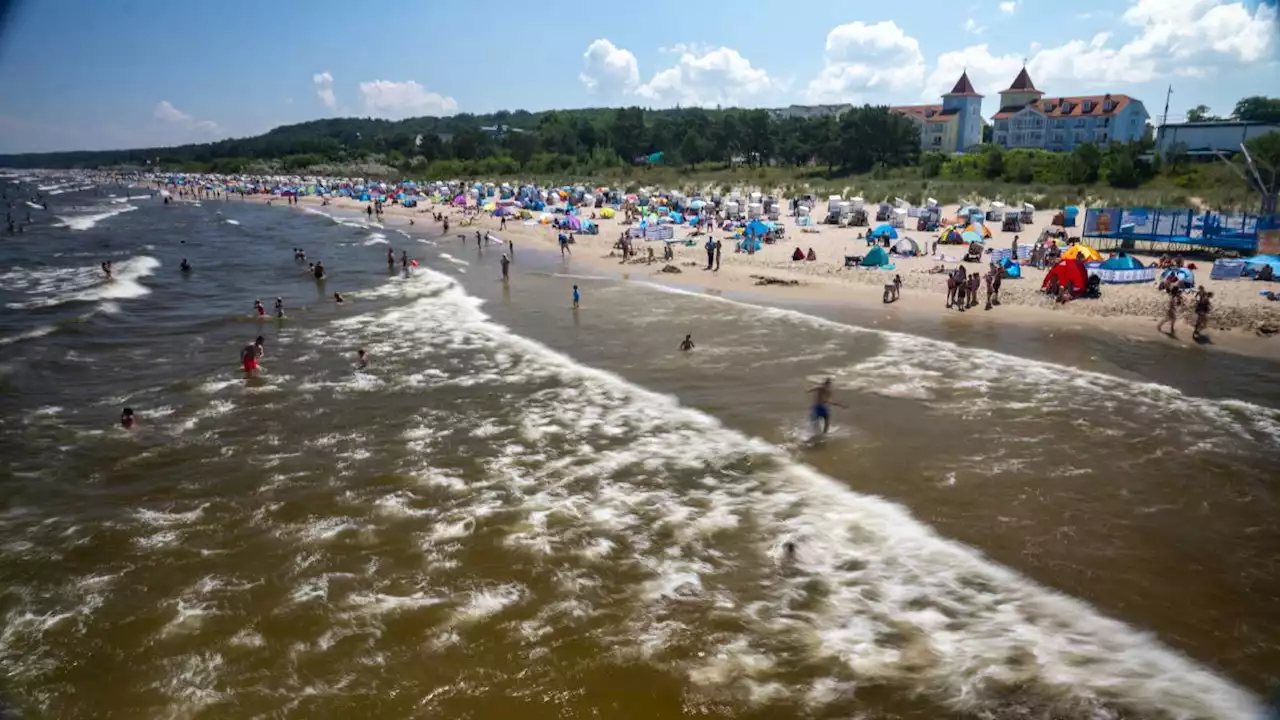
1131 311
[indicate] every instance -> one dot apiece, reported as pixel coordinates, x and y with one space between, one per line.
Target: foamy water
90 219
478 515
50 286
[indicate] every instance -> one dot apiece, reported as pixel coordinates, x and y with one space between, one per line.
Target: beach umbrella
971 237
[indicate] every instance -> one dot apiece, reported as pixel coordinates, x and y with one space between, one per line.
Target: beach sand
1239 320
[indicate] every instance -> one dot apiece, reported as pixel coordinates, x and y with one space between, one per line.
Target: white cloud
1009 6
385 98
719 76
1186 38
972 26
866 59
324 89
167 112
609 68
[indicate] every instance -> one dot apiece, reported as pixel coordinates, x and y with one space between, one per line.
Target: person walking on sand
506 267
718 244
1202 312
711 252
1171 311
822 402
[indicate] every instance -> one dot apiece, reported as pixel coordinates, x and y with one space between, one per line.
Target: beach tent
1070 272
1084 252
1257 262
1012 270
950 236
1069 214
906 246
607 213
757 229
884 231
1186 277
971 236
877 258
1122 262
979 228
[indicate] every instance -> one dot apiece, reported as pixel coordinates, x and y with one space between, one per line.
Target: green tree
692 148
522 146
993 161
1200 113
1258 108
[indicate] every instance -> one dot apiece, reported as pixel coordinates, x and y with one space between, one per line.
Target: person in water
337 297
106 269
127 419
404 260
319 271
687 345
577 297
391 260
279 307
250 354
259 308
362 358
186 266
822 402
506 267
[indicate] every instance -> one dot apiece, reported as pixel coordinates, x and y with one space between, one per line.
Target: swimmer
250 354
185 266
337 297
319 271
391 259
506 267
279 307
127 419
259 308
821 405
106 269
362 359
788 552
404 260
687 345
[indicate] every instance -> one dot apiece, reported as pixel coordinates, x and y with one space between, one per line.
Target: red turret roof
1022 83
963 86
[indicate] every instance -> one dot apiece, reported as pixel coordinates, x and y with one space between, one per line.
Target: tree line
598 141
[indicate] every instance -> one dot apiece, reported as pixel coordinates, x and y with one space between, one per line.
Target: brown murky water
522 509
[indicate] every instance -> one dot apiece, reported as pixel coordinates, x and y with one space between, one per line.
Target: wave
376 238
872 590
85 222
944 373
28 335
57 286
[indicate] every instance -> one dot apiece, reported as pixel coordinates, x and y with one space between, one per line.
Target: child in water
127 420
337 297
259 308
577 297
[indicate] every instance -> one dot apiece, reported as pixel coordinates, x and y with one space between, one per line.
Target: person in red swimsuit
250 354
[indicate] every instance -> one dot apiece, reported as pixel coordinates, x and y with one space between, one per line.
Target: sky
91 74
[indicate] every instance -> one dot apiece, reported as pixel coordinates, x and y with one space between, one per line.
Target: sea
523 509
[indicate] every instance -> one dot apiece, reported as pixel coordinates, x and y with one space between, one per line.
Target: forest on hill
616 142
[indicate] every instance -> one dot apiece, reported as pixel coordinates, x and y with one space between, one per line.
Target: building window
937 141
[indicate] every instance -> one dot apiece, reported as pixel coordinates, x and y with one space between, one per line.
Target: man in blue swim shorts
822 403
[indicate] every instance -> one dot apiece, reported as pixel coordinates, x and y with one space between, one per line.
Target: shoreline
826 285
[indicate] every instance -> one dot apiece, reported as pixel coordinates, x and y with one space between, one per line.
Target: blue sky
82 74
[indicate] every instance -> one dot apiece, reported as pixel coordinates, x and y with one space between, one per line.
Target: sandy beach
1241 320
